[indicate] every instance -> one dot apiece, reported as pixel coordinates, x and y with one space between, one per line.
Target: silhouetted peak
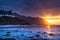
6 13
10 11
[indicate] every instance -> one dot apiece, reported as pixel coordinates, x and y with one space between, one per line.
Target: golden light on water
51 20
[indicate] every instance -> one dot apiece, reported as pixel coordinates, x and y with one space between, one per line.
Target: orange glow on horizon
51 20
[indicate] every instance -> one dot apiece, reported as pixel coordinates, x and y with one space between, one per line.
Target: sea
29 33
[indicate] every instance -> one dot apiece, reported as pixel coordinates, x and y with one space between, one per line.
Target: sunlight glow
51 20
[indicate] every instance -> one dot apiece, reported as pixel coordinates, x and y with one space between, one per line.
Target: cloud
30 7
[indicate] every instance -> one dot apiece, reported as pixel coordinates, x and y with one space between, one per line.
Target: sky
32 7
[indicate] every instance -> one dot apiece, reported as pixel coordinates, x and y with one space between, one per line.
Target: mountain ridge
15 18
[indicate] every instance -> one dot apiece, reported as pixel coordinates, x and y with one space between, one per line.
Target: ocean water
30 33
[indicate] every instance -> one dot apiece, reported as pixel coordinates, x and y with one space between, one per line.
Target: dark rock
22 34
44 39
51 34
37 35
8 32
7 39
44 33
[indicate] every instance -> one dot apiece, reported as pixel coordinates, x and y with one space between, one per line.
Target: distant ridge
9 18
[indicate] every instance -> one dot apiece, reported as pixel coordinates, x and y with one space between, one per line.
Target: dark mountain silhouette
11 20
7 17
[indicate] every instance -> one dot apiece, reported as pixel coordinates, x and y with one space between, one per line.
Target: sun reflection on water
51 20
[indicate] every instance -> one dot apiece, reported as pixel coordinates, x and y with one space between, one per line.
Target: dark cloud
30 7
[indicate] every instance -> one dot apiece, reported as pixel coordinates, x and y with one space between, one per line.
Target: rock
51 34
37 35
44 33
7 39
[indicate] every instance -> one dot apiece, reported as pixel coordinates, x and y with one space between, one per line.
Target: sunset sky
32 7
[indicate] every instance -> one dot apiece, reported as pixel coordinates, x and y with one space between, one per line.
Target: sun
51 20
